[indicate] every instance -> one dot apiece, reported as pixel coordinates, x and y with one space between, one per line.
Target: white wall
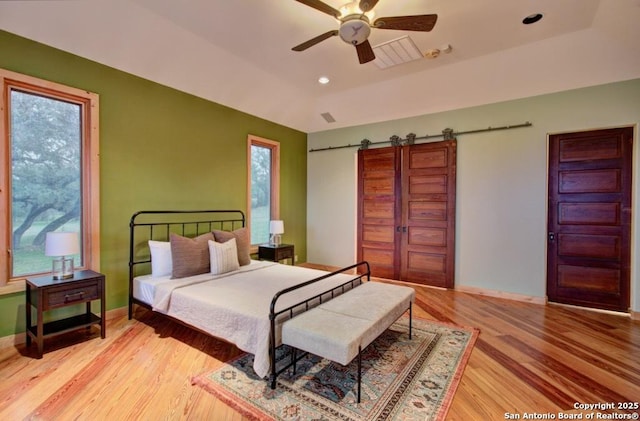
501 183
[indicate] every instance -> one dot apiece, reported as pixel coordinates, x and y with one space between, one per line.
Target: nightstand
45 293
276 253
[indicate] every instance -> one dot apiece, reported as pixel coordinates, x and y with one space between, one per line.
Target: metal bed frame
159 224
306 305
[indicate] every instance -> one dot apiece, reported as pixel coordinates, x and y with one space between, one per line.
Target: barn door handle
552 236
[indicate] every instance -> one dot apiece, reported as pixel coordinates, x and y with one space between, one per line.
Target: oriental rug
402 379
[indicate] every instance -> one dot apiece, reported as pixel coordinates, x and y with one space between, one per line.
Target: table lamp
62 245
276 229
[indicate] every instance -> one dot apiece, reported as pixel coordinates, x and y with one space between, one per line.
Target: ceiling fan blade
366 5
365 52
316 40
323 7
423 23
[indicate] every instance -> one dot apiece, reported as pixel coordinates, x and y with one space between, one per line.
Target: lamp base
275 240
62 268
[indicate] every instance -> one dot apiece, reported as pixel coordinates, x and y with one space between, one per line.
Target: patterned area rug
402 379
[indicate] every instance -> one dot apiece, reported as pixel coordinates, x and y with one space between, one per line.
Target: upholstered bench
341 328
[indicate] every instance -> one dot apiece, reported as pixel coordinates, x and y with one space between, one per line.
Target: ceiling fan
355 25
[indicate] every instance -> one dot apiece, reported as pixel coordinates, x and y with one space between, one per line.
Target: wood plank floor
529 358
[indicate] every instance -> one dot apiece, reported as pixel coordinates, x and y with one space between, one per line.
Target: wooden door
589 218
428 213
378 210
406 212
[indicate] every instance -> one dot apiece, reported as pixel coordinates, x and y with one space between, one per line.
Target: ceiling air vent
395 52
328 117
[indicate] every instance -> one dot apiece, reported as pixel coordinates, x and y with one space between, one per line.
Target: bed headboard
158 224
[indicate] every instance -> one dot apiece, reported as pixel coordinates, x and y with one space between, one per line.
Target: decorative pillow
243 242
223 256
161 264
189 256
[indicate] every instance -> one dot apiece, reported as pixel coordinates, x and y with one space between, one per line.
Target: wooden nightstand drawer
285 254
64 295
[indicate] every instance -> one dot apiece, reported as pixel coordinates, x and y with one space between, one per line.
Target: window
264 186
49 182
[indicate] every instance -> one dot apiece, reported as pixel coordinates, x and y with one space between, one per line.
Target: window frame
274 146
90 177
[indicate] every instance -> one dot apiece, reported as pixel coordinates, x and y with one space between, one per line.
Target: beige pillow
189 256
223 256
243 243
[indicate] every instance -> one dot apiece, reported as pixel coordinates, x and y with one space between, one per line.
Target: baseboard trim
635 315
117 312
12 340
502 294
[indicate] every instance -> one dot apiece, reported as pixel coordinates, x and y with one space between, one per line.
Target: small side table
276 253
45 293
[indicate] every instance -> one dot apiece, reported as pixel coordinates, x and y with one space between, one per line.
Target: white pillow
160 258
223 256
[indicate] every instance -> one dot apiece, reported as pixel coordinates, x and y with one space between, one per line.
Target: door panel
604 214
595 181
589 218
588 278
427 184
428 213
425 236
595 246
378 214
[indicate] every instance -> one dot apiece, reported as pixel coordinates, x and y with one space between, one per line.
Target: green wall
159 149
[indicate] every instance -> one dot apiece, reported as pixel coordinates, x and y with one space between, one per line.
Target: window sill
12 287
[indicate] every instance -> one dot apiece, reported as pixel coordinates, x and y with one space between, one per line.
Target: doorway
589 218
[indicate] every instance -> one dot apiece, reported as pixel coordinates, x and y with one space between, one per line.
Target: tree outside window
45 176
49 144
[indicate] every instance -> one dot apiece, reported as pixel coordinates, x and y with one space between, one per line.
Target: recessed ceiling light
323 80
532 18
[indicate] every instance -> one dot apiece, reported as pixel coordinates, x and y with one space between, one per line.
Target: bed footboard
362 274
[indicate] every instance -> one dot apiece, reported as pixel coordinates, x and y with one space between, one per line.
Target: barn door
406 212
589 218
428 213
378 210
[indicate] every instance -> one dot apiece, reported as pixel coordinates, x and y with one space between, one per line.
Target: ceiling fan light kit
355 30
355 25
353 9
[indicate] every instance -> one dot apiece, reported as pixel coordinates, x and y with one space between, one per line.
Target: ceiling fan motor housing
354 29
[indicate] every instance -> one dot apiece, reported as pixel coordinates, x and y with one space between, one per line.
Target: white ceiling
238 52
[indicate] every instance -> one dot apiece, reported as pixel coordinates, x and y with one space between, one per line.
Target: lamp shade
276 227
61 244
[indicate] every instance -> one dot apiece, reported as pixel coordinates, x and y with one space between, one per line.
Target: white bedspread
235 306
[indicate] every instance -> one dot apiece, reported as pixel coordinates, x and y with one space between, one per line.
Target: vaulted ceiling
238 52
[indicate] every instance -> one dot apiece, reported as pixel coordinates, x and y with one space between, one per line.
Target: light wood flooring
529 358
